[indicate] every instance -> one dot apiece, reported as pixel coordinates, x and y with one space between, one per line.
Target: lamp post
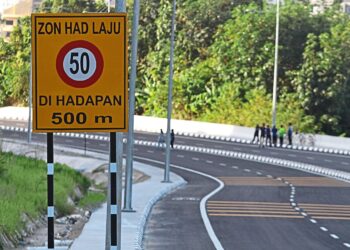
275 73
170 94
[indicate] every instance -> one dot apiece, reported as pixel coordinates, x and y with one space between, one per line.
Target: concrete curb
148 208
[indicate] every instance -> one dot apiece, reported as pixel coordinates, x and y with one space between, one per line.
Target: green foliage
24 190
92 199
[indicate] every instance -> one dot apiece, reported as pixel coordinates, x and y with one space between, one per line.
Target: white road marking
304 214
235 167
223 164
310 158
297 209
102 144
256 151
68 140
345 163
274 153
313 221
334 236
207 161
346 244
268 176
247 170
195 158
217 146
150 151
324 229
326 160
181 156
258 173
292 155
203 202
200 144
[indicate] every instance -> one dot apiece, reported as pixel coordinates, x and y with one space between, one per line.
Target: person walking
268 135
281 133
172 138
274 135
256 133
262 135
290 133
161 138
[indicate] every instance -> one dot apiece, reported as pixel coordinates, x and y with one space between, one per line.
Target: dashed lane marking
346 244
180 156
345 163
310 158
292 155
210 162
247 170
334 236
150 151
195 158
324 229
326 160
223 164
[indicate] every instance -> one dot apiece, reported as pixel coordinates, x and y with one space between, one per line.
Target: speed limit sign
79 64
79 74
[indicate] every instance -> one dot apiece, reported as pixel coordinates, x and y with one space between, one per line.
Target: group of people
161 138
263 134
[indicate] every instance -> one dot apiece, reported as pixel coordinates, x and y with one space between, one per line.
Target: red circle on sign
74 45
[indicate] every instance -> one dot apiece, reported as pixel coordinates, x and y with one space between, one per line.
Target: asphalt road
260 207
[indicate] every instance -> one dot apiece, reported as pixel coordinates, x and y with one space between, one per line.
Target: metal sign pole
130 145
119 150
113 169
30 103
170 90
50 193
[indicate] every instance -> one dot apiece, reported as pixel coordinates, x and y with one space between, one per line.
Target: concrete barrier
197 129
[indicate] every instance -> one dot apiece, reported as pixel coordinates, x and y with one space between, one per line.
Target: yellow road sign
79 72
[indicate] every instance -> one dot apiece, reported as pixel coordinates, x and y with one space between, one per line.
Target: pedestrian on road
281 133
172 138
274 135
290 133
268 135
262 135
161 138
256 133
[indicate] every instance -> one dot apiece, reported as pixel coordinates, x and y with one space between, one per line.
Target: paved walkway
145 194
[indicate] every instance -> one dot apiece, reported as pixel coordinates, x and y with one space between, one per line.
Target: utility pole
170 96
130 143
275 73
117 147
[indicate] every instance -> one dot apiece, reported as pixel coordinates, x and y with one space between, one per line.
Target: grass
23 189
92 199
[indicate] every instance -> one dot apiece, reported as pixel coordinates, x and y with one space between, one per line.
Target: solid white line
203 202
324 229
334 236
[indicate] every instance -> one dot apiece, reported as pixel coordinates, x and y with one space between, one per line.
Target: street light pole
170 94
275 74
130 143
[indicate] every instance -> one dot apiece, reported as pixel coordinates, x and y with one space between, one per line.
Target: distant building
11 14
4 4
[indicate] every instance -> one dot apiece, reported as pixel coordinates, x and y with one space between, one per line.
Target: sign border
35 76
